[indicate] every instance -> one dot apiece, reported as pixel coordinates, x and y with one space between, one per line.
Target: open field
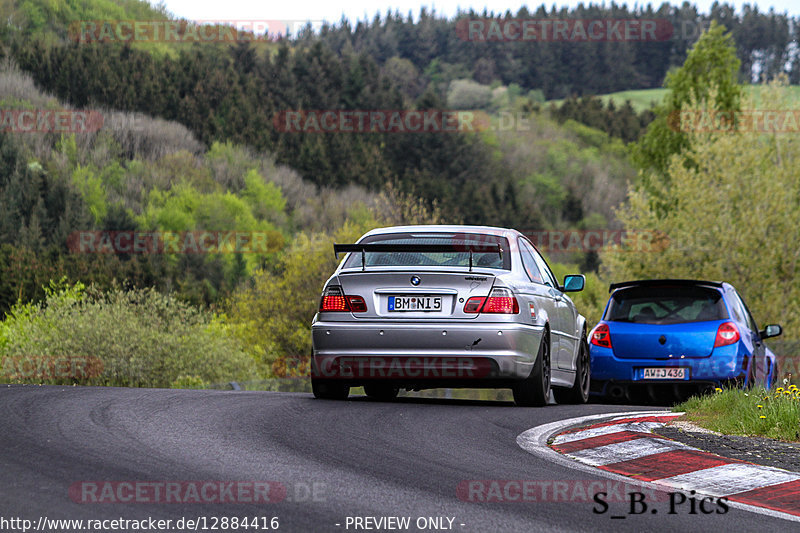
644 98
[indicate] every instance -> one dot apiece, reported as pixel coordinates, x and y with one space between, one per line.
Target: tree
734 217
710 68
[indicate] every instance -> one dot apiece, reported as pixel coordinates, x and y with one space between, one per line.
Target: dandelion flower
762 416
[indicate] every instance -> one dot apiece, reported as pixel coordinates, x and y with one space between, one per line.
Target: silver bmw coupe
420 307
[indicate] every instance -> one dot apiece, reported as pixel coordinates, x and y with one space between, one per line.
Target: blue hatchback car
667 339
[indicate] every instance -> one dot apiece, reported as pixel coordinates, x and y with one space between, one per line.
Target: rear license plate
415 303
665 373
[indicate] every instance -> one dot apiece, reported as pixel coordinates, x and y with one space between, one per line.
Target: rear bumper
724 365
425 354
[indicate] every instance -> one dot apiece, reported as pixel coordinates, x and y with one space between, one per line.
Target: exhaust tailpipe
617 392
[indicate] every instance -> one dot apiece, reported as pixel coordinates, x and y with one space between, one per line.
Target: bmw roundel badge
415 280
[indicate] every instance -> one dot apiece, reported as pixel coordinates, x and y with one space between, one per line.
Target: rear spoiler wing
657 282
420 248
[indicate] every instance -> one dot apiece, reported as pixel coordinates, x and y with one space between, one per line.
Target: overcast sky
332 10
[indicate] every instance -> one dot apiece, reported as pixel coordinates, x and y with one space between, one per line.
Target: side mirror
573 283
773 330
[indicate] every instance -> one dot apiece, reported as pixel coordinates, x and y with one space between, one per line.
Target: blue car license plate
665 373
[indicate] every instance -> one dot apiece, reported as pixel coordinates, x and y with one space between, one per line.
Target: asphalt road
336 459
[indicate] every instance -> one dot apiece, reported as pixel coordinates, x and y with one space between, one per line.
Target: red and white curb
622 446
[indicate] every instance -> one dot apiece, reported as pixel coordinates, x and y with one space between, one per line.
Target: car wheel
579 392
381 391
534 391
329 390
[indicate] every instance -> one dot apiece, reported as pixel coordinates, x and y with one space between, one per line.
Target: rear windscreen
666 305
459 257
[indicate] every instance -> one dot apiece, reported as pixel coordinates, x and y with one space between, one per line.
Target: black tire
384 392
534 391
325 389
579 392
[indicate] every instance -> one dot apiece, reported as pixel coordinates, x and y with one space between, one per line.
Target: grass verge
755 412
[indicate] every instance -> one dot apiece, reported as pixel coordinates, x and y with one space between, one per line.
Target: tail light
500 301
474 304
357 304
334 299
601 336
727 333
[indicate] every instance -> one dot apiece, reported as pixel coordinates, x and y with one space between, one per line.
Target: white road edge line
534 441
638 427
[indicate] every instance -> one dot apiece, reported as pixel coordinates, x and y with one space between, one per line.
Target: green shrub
140 338
467 94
